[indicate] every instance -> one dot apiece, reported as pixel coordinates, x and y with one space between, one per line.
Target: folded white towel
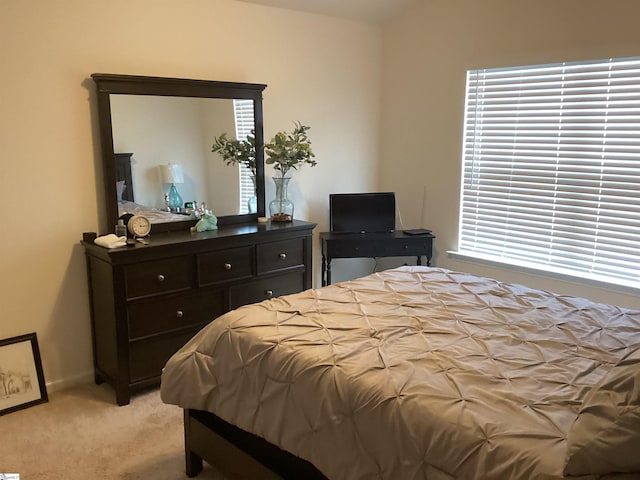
110 241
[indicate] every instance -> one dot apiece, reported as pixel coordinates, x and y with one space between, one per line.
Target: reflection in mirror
179 131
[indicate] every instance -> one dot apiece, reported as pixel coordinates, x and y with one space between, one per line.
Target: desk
372 245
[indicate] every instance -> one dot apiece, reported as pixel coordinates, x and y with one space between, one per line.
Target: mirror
156 138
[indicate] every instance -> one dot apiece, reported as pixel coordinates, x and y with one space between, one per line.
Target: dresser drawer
148 357
149 317
260 290
224 265
158 276
276 256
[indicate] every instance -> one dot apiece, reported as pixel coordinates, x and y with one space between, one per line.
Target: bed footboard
237 453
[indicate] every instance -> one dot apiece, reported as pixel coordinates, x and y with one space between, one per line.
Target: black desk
372 245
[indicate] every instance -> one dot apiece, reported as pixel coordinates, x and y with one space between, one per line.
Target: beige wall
425 56
321 71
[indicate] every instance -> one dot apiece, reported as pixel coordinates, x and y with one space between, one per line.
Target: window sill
558 274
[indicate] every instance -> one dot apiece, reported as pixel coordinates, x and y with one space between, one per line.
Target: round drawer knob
227 266
282 256
269 293
179 313
161 278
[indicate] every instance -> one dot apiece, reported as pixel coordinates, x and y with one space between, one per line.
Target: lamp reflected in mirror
172 173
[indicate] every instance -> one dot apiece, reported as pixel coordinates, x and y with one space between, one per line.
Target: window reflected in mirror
244 123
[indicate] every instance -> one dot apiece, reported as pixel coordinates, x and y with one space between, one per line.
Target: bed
153 214
416 373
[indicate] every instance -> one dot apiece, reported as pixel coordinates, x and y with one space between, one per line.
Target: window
551 168
244 118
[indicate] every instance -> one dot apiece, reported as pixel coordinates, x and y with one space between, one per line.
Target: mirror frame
107 84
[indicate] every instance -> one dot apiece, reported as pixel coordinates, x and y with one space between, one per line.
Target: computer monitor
362 212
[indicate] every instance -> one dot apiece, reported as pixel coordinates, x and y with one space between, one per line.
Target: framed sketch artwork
21 379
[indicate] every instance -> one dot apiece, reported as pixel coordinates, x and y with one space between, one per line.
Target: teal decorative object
208 221
175 200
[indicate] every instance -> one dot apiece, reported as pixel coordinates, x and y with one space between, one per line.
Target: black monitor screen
362 212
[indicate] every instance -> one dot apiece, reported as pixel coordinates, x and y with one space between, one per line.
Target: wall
319 70
221 181
426 53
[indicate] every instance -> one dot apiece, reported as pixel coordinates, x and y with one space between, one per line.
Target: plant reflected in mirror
234 151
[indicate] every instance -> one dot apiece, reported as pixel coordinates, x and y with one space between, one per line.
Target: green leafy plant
288 151
237 151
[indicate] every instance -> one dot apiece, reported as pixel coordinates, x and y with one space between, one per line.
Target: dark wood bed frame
237 453
123 172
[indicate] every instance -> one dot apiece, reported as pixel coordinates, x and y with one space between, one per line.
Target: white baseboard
64 383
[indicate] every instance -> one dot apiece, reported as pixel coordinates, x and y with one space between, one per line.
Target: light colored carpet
82 434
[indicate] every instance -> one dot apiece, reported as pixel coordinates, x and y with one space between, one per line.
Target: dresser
148 300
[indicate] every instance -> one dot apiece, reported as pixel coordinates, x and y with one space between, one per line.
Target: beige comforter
412 373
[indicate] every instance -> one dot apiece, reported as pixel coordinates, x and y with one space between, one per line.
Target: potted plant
287 151
237 151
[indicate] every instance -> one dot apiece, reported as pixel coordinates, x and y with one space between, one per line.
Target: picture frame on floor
21 377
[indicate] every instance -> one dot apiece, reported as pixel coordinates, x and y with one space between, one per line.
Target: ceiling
370 11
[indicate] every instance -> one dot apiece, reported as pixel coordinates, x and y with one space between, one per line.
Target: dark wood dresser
148 300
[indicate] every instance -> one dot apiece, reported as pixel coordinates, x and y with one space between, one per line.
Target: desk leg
419 260
328 282
324 271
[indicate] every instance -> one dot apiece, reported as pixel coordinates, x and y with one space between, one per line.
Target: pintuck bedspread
425 373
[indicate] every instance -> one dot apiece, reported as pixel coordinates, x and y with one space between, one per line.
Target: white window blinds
244 119
551 168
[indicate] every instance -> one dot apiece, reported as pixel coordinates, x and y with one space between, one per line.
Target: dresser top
193 242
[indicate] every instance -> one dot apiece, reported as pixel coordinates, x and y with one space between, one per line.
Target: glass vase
281 208
174 198
252 203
